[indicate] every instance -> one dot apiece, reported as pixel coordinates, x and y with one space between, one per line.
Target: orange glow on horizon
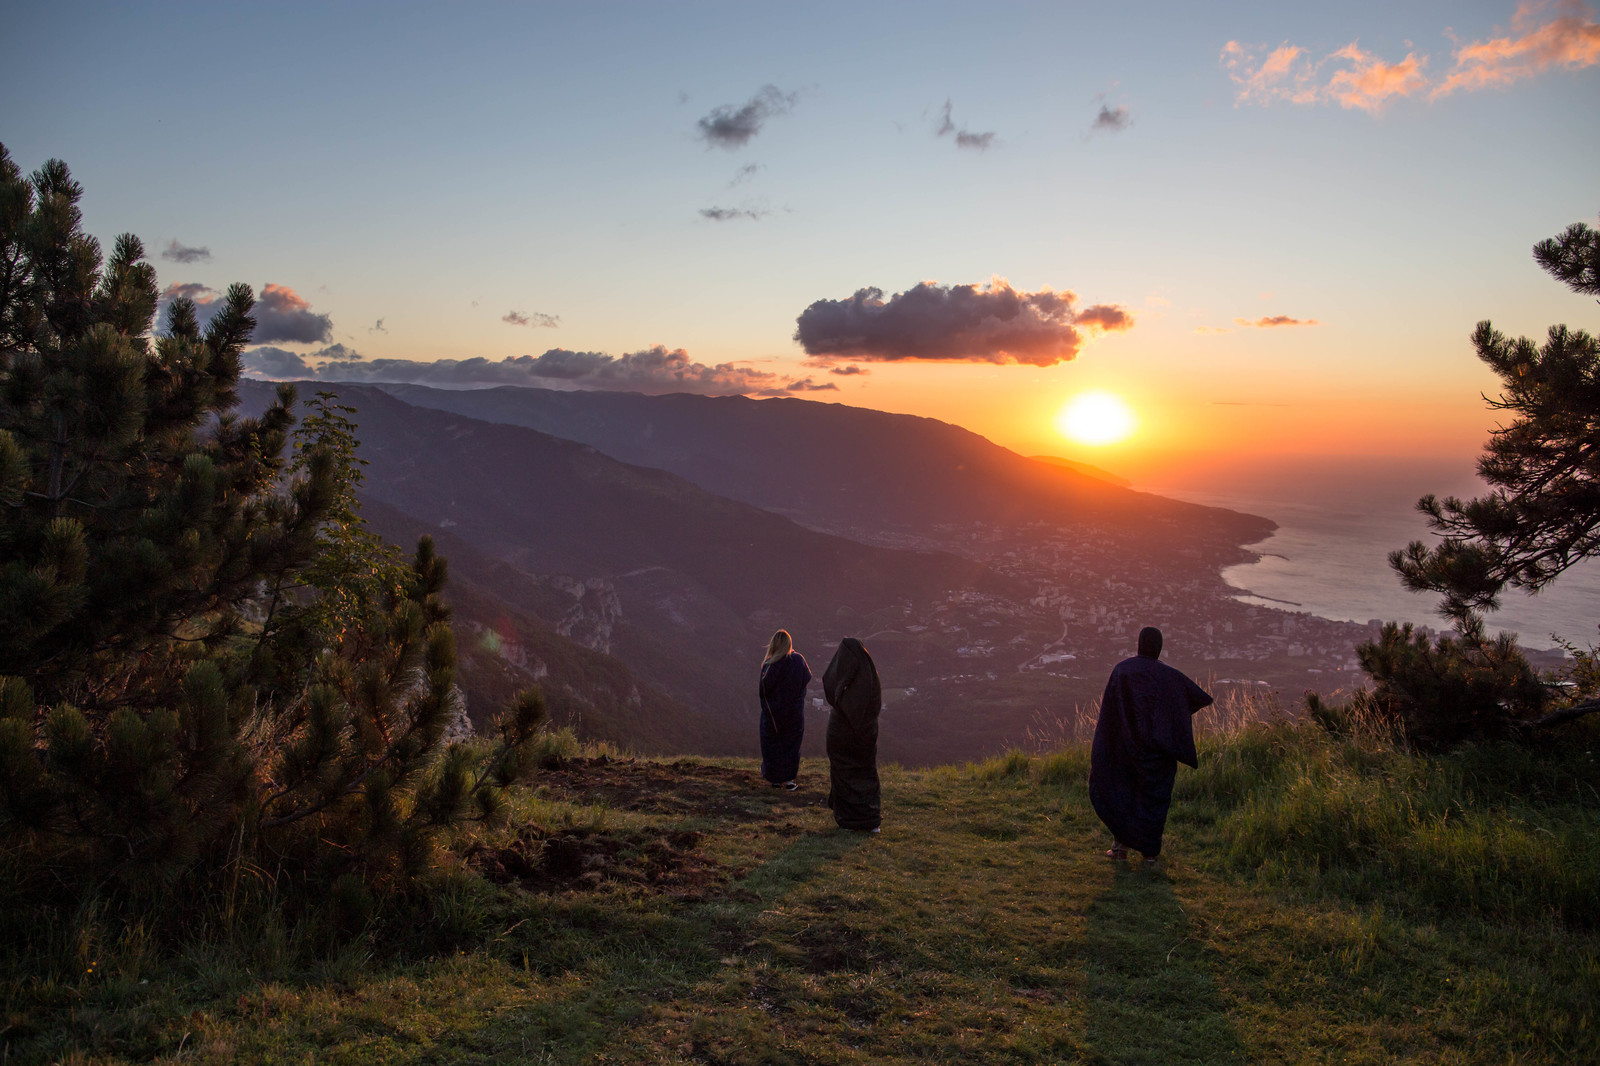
1199 416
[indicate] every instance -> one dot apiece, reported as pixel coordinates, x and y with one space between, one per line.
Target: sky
1268 228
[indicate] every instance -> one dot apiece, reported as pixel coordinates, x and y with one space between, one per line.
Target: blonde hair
780 645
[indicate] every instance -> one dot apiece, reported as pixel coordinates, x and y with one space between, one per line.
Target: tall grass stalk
1236 707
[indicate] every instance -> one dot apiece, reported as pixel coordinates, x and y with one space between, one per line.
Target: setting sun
1096 418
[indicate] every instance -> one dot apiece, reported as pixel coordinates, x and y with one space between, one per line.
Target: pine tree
1542 514
1540 517
202 648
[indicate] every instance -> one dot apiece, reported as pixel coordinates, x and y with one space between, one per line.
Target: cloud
1212 329
182 253
542 321
337 352
377 327
270 362
1369 83
1106 317
1570 41
1349 77
731 214
1543 37
1269 321
194 290
745 173
1277 77
848 371
284 315
656 370
961 323
732 127
1111 120
964 138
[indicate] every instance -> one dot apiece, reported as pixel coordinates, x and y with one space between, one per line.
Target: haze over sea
1338 519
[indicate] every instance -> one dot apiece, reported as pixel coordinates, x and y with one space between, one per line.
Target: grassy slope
981 925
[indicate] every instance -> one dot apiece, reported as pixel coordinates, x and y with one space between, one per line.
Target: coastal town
1004 666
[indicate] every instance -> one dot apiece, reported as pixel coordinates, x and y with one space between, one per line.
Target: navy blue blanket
855 698
783 716
1145 730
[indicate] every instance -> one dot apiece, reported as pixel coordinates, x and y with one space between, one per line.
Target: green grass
1320 900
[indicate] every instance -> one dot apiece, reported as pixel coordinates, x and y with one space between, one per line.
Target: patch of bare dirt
682 788
663 861
567 859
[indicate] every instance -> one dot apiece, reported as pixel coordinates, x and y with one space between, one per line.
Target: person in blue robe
855 699
784 677
1144 731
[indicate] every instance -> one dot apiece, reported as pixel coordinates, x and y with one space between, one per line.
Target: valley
631 554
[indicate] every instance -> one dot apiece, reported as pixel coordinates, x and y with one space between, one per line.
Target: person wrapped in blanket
855 699
1145 730
784 677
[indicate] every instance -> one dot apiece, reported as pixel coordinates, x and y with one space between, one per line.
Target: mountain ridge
844 468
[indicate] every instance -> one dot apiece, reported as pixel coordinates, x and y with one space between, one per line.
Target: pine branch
1566 714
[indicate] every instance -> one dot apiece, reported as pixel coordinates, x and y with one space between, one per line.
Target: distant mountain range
632 554
846 469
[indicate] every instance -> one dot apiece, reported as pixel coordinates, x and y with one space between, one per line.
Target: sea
1338 520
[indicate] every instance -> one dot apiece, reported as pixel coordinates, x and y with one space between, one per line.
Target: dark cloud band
271 362
656 369
957 323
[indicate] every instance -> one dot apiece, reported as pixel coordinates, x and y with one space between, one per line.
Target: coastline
1331 560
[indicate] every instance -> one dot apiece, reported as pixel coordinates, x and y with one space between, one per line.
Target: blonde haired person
784 677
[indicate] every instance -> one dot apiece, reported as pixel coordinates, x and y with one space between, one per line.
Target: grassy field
1319 901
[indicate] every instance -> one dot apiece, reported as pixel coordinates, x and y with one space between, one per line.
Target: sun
1096 418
